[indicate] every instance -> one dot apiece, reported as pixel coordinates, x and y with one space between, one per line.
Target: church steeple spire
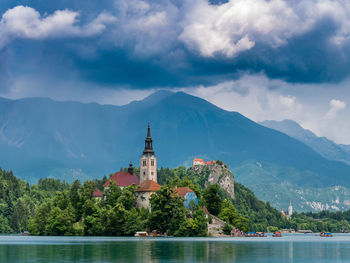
148 142
148 160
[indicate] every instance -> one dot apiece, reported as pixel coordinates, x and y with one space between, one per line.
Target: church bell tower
148 161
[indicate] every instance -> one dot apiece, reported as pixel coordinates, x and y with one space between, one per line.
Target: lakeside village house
147 185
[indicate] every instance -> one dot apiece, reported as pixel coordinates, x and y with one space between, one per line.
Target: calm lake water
289 248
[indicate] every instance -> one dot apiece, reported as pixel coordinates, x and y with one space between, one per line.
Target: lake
289 248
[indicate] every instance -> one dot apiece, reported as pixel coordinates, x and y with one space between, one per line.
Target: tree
168 212
212 199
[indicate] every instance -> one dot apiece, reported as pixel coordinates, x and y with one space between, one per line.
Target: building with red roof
148 186
144 192
123 179
97 194
198 161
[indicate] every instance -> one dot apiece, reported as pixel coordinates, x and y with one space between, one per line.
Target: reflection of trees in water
160 250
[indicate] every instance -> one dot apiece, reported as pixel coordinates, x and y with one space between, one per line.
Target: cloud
27 23
260 98
236 26
335 107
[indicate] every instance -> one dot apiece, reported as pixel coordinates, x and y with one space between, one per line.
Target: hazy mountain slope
41 137
322 145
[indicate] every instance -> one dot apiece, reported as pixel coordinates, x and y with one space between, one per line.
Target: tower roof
148 142
148 186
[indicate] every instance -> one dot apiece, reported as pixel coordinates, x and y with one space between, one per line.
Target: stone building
143 194
148 160
288 213
148 174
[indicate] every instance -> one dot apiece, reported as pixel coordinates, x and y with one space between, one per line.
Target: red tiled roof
198 160
97 193
148 186
182 191
123 179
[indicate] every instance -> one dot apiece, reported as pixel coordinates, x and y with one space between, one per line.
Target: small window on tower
144 173
152 162
144 162
152 173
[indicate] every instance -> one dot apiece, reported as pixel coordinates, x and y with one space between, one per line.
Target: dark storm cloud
153 44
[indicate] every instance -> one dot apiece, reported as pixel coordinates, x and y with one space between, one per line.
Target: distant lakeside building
288 213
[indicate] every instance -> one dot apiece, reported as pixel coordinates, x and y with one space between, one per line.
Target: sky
267 59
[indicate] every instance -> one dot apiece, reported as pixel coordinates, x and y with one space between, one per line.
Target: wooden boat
277 234
25 233
261 234
141 234
323 234
156 233
251 234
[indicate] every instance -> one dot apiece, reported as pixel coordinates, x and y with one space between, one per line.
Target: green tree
168 212
212 199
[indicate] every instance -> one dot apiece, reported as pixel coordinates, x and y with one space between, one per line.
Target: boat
251 234
277 234
25 233
156 233
141 234
261 234
324 234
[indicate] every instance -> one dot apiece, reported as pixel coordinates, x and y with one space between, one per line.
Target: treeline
52 207
77 212
261 215
19 201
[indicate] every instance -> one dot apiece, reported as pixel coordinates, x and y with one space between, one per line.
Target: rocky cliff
217 173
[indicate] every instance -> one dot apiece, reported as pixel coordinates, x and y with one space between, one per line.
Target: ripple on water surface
289 248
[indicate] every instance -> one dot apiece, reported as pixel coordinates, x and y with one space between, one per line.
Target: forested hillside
52 207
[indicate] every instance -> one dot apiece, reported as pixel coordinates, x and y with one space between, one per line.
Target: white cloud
227 29
27 23
235 26
260 98
335 107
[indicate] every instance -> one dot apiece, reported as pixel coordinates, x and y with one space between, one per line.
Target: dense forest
52 207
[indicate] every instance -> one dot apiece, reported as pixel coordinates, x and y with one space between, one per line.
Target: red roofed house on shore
97 194
123 179
143 194
198 161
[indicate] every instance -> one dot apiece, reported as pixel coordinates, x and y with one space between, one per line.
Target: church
148 174
147 184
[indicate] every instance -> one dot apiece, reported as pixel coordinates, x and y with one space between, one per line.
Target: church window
152 173
144 173
152 162
144 162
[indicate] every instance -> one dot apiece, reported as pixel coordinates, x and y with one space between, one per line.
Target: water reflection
174 250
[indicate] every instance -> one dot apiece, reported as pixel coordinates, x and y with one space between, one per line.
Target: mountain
321 145
45 138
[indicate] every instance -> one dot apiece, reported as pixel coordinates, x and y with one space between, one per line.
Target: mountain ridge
72 140
322 145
